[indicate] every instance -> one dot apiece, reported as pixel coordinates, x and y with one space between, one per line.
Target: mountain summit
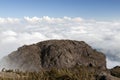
60 54
55 53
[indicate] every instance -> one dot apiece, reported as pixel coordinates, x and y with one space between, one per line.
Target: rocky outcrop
59 54
105 75
55 53
115 71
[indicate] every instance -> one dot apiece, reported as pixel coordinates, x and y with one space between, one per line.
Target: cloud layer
102 35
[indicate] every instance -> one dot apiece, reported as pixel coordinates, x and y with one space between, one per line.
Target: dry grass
76 73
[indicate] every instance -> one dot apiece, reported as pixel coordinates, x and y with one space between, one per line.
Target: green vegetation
76 73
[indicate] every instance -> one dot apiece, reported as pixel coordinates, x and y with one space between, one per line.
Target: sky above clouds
95 9
96 22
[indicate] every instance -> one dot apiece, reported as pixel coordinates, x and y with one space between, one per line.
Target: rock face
115 71
55 53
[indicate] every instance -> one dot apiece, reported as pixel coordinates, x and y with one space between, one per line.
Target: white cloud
32 20
9 20
9 33
111 63
103 35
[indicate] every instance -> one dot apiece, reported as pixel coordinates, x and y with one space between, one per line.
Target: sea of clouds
101 35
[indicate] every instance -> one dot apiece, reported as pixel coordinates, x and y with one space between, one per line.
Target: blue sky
95 9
